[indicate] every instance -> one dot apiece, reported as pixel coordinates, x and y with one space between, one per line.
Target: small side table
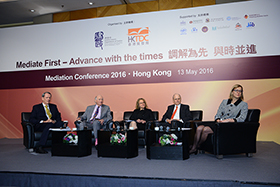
173 152
128 150
83 148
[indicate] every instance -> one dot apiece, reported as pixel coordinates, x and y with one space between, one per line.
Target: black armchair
233 138
108 124
30 137
141 132
197 115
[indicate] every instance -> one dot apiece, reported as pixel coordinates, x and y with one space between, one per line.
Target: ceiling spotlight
90 3
32 10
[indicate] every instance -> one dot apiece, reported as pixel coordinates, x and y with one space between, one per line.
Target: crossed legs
133 124
200 136
92 125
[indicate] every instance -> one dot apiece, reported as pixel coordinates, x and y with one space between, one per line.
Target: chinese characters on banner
218 51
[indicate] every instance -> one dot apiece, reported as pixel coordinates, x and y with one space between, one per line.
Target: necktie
48 112
95 113
174 112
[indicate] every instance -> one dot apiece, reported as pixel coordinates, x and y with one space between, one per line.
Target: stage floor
262 168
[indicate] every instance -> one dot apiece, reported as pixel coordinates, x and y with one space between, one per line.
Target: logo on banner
183 23
194 30
214 28
138 36
229 18
183 31
197 21
207 20
204 29
251 25
238 26
255 16
98 39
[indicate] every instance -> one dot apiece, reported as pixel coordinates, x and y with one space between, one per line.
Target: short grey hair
43 95
176 94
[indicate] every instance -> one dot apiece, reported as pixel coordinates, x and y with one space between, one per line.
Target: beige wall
148 6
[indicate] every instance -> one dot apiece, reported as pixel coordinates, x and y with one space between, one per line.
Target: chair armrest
150 124
28 132
238 127
109 124
29 126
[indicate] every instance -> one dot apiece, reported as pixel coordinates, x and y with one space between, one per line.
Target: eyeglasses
240 91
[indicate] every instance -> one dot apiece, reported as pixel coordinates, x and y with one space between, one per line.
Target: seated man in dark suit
95 117
177 112
44 116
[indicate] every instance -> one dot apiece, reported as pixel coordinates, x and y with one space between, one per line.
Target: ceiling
19 11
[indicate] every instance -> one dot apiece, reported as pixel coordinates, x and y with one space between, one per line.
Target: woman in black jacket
141 115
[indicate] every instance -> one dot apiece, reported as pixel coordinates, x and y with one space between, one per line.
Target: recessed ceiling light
90 3
32 10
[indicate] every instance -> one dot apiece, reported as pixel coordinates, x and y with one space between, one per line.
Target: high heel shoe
194 152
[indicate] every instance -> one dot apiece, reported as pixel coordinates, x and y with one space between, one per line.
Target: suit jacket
105 113
38 113
185 113
145 114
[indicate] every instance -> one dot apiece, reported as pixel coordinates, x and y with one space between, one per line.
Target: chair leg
219 156
249 154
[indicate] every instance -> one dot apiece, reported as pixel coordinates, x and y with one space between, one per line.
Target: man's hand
49 121
225 121
101 121
169 120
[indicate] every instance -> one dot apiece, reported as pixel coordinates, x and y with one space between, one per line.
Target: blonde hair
233 88
137 103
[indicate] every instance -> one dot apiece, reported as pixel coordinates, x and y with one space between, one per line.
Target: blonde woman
141 115
233 109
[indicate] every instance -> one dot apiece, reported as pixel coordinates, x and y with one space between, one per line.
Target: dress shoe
41 150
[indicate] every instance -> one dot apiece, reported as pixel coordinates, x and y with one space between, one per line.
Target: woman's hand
225 120
140 121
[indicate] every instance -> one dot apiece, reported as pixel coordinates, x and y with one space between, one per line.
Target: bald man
177 112
95 117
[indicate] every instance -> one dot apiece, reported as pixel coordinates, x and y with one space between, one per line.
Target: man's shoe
41 150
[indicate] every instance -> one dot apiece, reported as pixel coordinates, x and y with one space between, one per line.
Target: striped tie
95 113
